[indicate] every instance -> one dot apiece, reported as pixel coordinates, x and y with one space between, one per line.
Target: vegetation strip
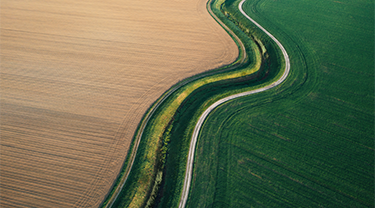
144 123
189 165
157 122
142 180
116 190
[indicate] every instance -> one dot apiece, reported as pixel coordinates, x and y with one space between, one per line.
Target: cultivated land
309 143
76 78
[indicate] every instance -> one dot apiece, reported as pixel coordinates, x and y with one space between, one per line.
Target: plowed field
76 78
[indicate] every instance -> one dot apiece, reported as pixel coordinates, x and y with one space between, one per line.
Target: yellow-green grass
141 182
189 112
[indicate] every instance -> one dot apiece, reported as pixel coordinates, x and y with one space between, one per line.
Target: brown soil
76 78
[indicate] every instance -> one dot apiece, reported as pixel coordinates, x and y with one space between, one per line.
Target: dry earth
76 77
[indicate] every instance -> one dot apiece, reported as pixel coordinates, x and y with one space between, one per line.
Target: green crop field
309 143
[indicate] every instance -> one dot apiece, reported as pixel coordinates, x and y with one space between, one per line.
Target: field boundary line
157 103
189 165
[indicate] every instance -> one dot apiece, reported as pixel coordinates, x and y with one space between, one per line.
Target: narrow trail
189 165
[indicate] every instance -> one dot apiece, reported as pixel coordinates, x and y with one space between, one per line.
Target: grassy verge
159 163
149 146
190 110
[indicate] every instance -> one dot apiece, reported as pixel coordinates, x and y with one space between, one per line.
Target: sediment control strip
190 160
152 110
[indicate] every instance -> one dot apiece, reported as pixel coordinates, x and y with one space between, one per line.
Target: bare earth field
76 77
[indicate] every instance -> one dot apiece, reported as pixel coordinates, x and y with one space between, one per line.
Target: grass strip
159 130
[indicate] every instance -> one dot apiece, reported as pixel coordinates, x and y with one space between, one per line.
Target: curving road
189 165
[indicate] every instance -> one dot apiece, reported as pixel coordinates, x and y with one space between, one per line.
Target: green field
310 142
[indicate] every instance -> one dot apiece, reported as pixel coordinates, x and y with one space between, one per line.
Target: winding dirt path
189 165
